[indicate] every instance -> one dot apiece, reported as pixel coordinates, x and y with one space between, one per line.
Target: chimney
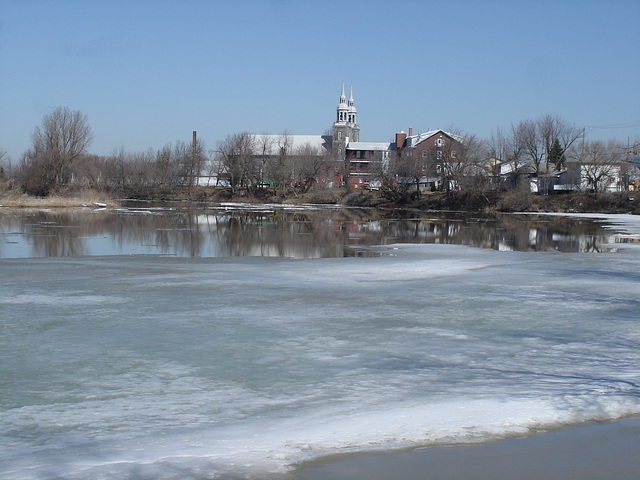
411 131
400 140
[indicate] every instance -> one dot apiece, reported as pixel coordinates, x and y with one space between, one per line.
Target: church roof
295 142
370 146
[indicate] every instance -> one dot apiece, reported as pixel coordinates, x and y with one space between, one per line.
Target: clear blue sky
148 73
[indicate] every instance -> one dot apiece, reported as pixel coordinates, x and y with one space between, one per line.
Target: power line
618 125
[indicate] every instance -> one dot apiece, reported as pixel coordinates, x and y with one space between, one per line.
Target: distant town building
346 160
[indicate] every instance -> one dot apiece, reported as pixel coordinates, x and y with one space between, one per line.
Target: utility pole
192 172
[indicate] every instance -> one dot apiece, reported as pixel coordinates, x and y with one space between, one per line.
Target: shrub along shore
486 202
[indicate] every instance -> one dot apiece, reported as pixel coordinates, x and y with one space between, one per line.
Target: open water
160 365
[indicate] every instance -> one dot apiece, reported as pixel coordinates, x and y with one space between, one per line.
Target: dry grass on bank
15 199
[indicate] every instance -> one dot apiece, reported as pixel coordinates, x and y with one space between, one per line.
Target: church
345 132
360 161
343 160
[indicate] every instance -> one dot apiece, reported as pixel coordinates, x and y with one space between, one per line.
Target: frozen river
158 365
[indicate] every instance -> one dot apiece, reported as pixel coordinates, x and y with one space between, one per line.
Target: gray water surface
281 231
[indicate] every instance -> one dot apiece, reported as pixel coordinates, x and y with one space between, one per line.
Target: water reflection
280 232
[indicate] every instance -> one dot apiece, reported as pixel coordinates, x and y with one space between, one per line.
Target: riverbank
79 199
588 452
486 202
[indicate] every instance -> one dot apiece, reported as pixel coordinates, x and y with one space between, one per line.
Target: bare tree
465 163
536 139
553 130
279 165
166 172
3 171
532 144
600 164
308 162
63 137
236 153
190 158
263 146
397 175
460 158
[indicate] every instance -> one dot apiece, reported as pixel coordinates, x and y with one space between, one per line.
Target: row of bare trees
541 144
550 145
59 157
135 174
531 149
255 162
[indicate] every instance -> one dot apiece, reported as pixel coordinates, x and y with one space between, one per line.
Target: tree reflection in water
275 231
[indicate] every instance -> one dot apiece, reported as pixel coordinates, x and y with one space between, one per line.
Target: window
339 135
340 152
439 154
425 153
439 142
453 154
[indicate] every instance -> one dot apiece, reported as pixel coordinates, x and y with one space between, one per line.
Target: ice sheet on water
151 367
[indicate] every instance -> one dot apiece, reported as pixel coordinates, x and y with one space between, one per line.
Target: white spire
350 95
351 116
342 107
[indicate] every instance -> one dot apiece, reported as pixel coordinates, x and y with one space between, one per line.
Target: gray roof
295 142
421 137
369 146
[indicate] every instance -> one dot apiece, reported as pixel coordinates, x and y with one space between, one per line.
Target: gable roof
414 140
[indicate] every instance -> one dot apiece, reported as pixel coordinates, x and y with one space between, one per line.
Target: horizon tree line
59 159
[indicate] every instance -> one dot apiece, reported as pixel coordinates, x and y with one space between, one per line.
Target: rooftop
414 140
378 146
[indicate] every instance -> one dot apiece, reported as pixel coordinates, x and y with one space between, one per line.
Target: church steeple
352 109
343 109
345 129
